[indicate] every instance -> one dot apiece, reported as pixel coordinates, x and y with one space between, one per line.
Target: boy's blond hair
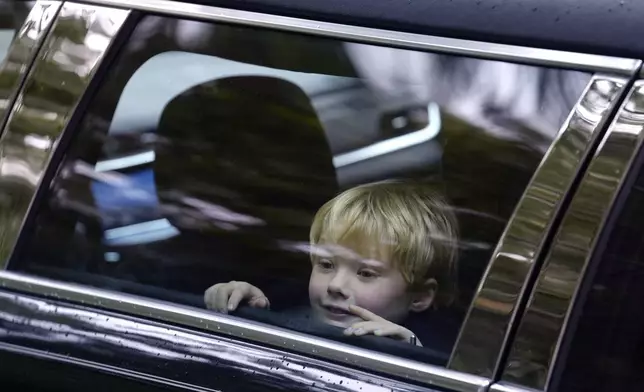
411 220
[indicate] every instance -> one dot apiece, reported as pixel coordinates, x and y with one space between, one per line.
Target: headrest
251 144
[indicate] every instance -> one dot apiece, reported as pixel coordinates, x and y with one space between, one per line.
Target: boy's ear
424 298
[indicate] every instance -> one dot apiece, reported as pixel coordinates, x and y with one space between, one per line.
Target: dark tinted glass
208 150
603 349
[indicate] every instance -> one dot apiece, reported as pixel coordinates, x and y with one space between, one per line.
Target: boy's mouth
337 311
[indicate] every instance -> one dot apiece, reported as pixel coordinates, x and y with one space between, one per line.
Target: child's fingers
397 332
369 329
364 313
254 292
235 298
221 297
241 291
260 302
363 328
226 297
358 325
210 295
206 297
256 297
390 331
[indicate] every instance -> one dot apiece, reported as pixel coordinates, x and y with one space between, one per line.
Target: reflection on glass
22 26
208 150
42 108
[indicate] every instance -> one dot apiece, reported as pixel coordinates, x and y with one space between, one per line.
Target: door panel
145 350
34 371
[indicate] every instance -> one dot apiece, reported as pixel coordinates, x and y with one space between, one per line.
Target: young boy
378 252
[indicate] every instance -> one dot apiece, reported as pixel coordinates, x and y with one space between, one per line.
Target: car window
603 344
334 188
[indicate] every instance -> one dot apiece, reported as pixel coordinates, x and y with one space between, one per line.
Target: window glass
334 182
603 348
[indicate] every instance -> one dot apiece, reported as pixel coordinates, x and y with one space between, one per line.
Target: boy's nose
338 285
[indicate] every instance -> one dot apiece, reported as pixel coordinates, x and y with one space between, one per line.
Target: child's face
357 275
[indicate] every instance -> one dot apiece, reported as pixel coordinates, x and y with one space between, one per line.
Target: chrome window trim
26 151
573 247
486 50
38 24
429 375
494 308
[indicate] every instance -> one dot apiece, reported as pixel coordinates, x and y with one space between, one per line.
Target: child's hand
225 297
376 325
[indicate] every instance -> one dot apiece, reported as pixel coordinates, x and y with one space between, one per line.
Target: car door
156 151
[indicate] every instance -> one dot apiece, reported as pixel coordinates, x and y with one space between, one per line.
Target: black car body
128 186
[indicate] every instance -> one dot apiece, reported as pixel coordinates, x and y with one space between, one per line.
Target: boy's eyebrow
370 262
353 256
334 250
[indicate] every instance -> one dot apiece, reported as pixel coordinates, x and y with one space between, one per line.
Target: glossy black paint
162 354
611 27
29 370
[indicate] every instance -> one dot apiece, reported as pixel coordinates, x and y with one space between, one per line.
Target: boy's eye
325 264
367 274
